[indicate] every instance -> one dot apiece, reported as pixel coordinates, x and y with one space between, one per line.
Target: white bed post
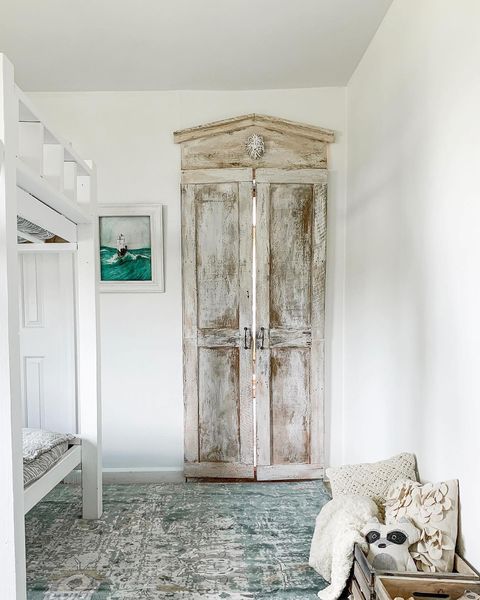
88 352
12 528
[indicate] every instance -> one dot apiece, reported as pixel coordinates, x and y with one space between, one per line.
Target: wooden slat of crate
462 569
364 565
366 589
356 593
388 588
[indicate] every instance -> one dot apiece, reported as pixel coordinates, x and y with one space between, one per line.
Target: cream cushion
372 479
433 508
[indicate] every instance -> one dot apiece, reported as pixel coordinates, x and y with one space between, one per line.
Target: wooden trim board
236 123
40 188
219 470
12 528
285 472
190 317
291 175
46 248
42 215
216 175
88 351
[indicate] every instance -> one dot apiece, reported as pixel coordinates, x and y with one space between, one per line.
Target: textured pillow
372 479
433 508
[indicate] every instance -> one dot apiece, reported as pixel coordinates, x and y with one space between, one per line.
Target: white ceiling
62 45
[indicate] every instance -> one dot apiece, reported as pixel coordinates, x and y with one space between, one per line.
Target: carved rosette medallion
255 146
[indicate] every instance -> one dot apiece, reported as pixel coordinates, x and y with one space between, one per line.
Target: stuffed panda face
381 537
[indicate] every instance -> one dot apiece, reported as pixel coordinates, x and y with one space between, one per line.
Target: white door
47 340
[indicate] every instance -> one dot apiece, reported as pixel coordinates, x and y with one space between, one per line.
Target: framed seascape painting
131 248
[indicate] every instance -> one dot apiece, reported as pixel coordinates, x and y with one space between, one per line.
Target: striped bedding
41 450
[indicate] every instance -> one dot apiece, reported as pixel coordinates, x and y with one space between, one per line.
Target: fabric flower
428 505
399 498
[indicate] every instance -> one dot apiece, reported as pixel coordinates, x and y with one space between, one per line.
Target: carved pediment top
270 123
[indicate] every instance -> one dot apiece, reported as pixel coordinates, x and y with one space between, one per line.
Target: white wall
129 136
412 329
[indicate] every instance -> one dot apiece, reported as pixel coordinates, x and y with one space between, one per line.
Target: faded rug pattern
183 541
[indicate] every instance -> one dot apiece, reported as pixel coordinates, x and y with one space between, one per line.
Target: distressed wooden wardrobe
263 177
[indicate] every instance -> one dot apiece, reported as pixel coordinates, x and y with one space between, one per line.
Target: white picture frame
154 213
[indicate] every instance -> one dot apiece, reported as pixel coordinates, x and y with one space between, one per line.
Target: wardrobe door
290 253
217 321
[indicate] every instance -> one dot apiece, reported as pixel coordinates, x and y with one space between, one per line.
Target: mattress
37 467
41 450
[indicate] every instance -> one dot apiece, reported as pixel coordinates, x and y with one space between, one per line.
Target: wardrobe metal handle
245 345
262 338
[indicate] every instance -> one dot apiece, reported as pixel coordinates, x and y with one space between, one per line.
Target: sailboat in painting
121 245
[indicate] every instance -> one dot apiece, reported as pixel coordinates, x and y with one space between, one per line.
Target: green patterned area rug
183 541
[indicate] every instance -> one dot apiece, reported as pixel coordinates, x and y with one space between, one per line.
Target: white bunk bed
44 182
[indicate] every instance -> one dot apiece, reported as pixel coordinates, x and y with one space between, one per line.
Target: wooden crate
364 576
390 587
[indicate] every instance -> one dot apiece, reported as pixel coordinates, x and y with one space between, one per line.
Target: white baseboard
135 475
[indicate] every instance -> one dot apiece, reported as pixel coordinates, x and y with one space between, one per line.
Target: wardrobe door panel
217 318
290 406
219 404
290 235
217 255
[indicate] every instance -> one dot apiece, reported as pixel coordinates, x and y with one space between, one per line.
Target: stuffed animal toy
388 544
469 595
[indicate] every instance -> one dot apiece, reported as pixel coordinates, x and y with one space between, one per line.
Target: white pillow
433 508
372 479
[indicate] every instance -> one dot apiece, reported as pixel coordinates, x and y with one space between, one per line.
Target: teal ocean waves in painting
136 265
